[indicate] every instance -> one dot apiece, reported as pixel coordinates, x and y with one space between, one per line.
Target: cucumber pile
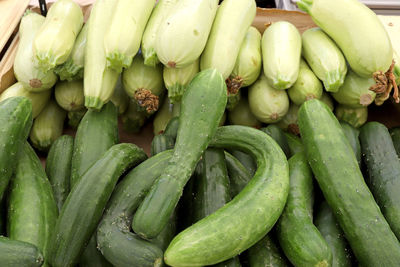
262 154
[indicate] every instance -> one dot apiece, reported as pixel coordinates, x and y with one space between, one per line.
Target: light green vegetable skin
69 95
164 115
354 116
241 115
119 98
281 50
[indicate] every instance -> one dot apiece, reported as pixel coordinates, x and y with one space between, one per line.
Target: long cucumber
18 253
266 253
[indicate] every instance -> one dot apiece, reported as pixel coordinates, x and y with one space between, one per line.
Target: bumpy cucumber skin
16 122
294 142
239 176
18 253
333 234
395 134
161 143
266 253
249 216
326 146
279 136
85 204
352 136
58 167
202 107
301 241
114 240
32 210
383 168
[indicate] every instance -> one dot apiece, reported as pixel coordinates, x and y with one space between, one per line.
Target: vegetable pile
296 177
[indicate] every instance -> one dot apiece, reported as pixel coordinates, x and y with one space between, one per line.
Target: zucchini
118 245
183 32
202 107
75 117
279 136
267 104
98 80
160 143
133 119
119 98
241 115
97 132
294 142
355 91
69 95
301 241
172 127
333 234
38 100
16 122
266 253
239 176
177 80
367 231
395 134
383 168
356 117
325 58
352 136
260 202
32 210
26 68
233 19
306 87
48 126
164 115
58 167
289 121
55 39
281 50
144 84
327 99
72 69
18 253
123 36
84 206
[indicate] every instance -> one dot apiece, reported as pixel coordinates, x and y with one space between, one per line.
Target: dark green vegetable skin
395 134
32 210
294 142
340 179
15 121
115 241
84 206
161 143
249 216
333 234
246 160
265 253
352 135
279 136
239 176
301 241
58 167
383 168
19 254
202 107
172 128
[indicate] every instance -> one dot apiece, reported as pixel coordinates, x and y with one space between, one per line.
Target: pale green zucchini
164 115
354 116
289 121
69 95
119 98
327 99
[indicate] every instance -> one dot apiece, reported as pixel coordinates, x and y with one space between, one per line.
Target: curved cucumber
383 168
202 108
266 253
279 136
367 231
58 168
85 204
395 134
239 176
32 210
301 241
18 253
260 202
352 136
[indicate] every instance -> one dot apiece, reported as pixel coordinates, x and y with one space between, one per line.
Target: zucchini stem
385 82
147 100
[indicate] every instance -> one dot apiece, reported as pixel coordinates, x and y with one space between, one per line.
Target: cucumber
172 127
383 168
395 134
289 121
15 121
75 117
332 159
333 234
294 142
247 160
202 107
260 203
279 136
133 119
281 50
119 98
69 95
239 176
118 245
92 257
352 136
38 100
97 132
233 19
18 253
48 126
301 241
234 262
356 117
58 167
32 210
84 206
160 143
241 115
266 253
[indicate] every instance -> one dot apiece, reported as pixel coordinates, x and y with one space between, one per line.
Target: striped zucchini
69 95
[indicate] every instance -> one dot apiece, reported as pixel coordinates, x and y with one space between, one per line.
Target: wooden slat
6 66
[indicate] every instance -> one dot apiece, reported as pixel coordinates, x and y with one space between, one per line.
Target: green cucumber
294 142
118 245
75 117
383 168
18 253
202 107
32 210
247 160
333 234
15 121
352 136
84 206
340 179
234 262
289 121
239 176
133 119
395 134
301 241
92 257
172 127
58 168
279 136
249 216
356 117
161 143
327 99
266 253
